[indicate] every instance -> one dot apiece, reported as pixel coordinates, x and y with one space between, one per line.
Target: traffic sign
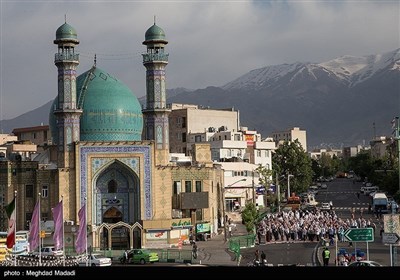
390 238
359 234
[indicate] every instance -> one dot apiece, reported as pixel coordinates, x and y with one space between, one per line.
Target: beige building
317 153
38 135
380 146
186 119
291 135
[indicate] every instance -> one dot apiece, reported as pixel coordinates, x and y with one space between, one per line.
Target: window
183 122
178 120
188 186
258 153
183 137
177 187
199 214
29 191
198 186
28 218
45 191
197 138
186 213
112 186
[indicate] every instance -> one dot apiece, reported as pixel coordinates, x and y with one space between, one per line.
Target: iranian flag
10 209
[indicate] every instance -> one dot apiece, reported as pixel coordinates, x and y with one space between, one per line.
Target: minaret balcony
152 57
72 57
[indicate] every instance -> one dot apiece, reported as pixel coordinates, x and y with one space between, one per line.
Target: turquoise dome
66 31
154 33
111 112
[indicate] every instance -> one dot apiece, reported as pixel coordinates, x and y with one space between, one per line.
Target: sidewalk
215 251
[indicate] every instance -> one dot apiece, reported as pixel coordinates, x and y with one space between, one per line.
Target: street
343 194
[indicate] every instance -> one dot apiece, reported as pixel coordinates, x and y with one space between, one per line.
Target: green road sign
359 234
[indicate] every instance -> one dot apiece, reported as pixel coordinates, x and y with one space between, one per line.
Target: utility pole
278 191
254 191
288 184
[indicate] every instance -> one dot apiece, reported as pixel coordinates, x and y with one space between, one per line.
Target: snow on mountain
351 70
345 66
258 78
358 69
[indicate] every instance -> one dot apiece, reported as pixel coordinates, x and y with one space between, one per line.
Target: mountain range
345 101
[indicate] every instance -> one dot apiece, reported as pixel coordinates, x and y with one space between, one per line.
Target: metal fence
164 255
243 241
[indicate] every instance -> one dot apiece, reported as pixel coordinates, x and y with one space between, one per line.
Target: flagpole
39 232
62 209
15 228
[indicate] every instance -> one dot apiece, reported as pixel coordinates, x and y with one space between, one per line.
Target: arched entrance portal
112 215
108 236
117 201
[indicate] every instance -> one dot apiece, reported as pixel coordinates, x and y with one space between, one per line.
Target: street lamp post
223 204
278 191
288 184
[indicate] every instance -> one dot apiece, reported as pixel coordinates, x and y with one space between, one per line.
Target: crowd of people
307 225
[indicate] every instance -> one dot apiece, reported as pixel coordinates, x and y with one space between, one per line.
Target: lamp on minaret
66 111
155 114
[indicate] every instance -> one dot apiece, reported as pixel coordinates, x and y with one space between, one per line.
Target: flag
81 238
10 210
58 217
34 231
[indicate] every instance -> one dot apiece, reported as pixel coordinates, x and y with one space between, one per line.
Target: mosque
111 156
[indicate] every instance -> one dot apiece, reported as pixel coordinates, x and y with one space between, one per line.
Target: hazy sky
210 42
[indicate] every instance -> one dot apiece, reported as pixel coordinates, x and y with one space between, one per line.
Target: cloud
210 42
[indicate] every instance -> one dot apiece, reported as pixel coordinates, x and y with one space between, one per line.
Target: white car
325 206
96 260
49 251
365 263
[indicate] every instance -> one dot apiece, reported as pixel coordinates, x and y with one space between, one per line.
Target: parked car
141 256
96 260
365 263
50 251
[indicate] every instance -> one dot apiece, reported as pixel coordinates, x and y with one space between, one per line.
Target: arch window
112 186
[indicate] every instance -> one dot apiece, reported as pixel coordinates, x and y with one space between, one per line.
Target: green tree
249 217
265 178
290 158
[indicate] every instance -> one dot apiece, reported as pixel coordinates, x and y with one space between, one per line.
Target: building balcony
152 57
66 57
